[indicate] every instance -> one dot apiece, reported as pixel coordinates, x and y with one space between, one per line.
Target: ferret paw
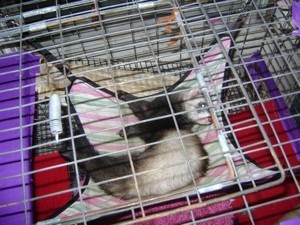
121 133
125 96
120 93
130 132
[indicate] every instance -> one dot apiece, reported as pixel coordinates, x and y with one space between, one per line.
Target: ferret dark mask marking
159 110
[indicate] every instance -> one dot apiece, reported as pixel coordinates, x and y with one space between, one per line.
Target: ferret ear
145 107
193 93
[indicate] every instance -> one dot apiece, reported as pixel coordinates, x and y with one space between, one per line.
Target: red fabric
269 213
251 134
48 182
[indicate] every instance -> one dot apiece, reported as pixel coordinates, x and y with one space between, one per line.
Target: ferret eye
202 105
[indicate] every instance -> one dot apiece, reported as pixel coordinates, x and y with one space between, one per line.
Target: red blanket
269 213
50 181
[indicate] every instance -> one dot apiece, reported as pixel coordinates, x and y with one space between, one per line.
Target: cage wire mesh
243 57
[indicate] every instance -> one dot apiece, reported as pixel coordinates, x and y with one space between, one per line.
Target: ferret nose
209 119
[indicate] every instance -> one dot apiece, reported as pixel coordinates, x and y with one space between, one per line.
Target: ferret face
197 110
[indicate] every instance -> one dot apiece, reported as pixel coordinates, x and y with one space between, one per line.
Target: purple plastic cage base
17 86
289 124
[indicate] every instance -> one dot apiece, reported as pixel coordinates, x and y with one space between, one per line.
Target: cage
149 112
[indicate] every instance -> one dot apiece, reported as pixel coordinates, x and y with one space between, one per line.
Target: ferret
163 167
